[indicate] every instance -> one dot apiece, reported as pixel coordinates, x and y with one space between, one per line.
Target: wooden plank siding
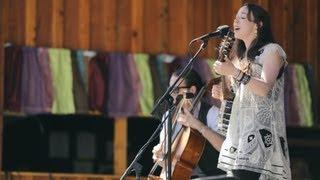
155 26
103 25
149 26
178 30
49 23
76 20
152 26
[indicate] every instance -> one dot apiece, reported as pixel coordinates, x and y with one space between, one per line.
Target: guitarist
203 112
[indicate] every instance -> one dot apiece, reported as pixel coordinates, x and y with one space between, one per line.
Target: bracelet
246 78
238 74
239 79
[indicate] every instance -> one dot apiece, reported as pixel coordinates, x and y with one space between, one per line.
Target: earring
255 31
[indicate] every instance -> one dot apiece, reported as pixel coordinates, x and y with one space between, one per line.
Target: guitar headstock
225 46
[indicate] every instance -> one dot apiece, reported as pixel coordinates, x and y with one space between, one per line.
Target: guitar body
186 153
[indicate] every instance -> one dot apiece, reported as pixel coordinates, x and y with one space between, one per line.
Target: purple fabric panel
12 78
123 86
97 83
33 90
43 59
290 97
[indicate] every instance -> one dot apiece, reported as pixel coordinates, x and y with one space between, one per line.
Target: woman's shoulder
274 48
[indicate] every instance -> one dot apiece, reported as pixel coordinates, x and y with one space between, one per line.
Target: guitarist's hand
158 154
187 119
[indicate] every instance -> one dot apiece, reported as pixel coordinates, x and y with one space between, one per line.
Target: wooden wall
150 26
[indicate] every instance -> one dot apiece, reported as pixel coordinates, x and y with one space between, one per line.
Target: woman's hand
225 68
216 91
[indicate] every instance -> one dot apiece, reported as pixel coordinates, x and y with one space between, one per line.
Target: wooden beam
58 176
120 145
2 30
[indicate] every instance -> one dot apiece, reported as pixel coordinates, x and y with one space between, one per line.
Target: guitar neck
226 91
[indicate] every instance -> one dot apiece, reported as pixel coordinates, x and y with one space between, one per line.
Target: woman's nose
235 21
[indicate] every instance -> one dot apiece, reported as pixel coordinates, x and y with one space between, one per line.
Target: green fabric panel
61 70
210 62
304 98
146 96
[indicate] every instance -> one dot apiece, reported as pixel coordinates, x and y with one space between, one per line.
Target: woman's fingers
216 91
224 68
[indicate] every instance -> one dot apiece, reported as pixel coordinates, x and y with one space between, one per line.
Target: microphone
220 32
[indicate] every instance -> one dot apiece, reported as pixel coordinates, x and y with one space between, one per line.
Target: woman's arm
258 85
270 70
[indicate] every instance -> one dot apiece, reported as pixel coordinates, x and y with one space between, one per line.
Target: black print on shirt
266 137
232 149
283 146
250 138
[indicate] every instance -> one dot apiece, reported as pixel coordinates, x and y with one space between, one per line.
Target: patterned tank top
256 137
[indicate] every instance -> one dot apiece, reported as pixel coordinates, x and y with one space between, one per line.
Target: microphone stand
169 123
166 96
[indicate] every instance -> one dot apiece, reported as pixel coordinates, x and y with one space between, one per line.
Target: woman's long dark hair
264 34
